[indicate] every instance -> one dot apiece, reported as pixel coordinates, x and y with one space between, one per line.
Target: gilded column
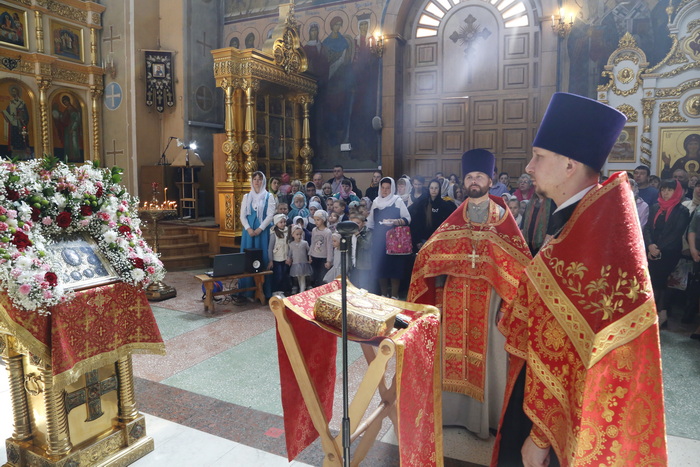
96 95
93 46
44 84
645 148
230 147
250 146
127 401
39 31
56 418
306 152
18 396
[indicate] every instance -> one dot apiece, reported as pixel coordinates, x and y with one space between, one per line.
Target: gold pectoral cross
473 256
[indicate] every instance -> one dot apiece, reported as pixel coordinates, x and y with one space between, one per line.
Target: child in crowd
298 206
334 271
330 201
353 207
321 248
298 259
313 207
514 206
303 222
361 273
332 221
277 251
282 208
339 208
284 187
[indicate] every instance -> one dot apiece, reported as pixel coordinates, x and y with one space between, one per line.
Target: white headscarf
256 201
383 202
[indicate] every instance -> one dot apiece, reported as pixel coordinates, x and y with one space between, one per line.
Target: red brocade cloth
477 259
584 324
99 326
419 403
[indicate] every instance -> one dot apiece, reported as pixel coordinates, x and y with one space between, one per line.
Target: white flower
23 262
59 200
110 236
138 274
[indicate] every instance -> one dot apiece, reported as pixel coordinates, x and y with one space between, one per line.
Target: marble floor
214 399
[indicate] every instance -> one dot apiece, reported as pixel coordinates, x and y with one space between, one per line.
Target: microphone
347 228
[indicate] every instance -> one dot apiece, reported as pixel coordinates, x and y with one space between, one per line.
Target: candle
165 194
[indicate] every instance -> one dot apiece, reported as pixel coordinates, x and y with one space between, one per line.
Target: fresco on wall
237 9
598 29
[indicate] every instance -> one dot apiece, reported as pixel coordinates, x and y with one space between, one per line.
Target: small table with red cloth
307 354
78 356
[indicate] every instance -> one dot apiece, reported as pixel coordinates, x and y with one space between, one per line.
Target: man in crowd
318 183
683 178
373 191
498 188
469 268
338 176
648 193
584 380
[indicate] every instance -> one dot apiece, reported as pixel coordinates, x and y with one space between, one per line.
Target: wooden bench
208 282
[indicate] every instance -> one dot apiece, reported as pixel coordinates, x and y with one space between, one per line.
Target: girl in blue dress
257 209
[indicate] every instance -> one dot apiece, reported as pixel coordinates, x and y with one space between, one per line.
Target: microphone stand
163 160
346 229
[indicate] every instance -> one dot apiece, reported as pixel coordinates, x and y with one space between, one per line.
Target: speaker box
253 260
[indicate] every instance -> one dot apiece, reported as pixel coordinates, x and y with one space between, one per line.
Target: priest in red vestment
469 268
584 383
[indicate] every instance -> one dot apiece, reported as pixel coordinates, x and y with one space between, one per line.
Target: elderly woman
525 188
257 210
388 211
663 236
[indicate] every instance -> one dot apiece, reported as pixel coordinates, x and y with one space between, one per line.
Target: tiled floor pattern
214 399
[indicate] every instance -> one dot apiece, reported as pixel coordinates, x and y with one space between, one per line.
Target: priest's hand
534 456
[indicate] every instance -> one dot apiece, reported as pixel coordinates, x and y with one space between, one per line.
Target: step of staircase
180 249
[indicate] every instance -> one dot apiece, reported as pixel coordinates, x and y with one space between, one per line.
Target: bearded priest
584 380
469 269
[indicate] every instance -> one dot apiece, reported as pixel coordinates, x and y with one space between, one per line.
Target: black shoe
238 300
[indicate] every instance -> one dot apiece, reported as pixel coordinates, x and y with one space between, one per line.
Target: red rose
138 263
124 229
85 210
99 192
51 278
63 220
12 195
36 214
21 241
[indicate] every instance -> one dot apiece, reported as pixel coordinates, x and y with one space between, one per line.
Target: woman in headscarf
388 211
257 210
428 213
403 188
663 236
345 193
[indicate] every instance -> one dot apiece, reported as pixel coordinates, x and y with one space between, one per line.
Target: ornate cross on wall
469 34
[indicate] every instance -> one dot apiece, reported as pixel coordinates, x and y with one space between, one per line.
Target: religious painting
81 262
66 41
159 79
679 148
17 135
340 56
624 148
69 131
13 27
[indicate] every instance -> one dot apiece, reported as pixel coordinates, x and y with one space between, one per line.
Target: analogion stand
293 314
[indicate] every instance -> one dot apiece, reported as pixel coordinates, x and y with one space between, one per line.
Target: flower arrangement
42 200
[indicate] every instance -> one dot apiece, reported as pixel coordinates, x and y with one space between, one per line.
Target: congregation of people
668 212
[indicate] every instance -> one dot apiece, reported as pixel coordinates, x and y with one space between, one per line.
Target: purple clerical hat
580 128
478 160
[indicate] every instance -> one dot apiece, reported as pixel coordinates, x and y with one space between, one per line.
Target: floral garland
41 201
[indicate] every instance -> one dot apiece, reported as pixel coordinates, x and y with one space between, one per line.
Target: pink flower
84 222
3 227
48 294
47 220
151 270
25 289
